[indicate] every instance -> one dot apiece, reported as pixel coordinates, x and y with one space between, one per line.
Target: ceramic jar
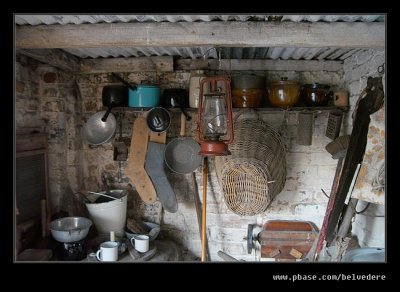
194 87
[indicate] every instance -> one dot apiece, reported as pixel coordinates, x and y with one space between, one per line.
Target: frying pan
177 97
182 154
112 96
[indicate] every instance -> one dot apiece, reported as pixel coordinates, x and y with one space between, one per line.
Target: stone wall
46 102
27 97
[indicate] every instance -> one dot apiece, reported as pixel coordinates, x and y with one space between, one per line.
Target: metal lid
283 81
147 86
316 85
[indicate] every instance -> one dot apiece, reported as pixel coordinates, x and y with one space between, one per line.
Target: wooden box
287 240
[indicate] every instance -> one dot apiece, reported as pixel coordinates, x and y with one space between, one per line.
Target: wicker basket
256 171
245 185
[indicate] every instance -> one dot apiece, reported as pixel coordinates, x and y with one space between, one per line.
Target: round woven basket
245 185
256 171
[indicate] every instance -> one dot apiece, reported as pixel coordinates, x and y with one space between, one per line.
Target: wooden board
135 166
29 142
203 34
258 65
35 255
158 137
140 64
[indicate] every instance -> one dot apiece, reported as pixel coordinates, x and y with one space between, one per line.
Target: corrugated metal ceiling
199 52
21 19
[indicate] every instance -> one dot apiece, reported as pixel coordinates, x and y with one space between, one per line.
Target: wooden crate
282 239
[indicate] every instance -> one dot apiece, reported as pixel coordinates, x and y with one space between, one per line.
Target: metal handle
188 118
124 81
104 118
183 125
94 193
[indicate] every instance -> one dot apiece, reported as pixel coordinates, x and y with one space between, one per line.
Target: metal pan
158 119
182 154
114 96
97 132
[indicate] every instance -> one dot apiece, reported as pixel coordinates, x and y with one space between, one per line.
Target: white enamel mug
141 242
108 252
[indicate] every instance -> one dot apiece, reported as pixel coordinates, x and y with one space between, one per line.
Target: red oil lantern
215 125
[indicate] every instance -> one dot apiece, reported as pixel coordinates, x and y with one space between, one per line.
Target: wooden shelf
261 109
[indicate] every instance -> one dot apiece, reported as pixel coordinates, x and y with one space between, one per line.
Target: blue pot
144 96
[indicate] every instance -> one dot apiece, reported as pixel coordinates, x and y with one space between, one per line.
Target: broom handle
203 215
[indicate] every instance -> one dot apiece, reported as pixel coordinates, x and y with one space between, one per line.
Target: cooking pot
247 90
316 94
70 229
284 93
177 97
112 96
247 97
248 81
143 95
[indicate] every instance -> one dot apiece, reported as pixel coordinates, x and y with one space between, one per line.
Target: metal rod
203 215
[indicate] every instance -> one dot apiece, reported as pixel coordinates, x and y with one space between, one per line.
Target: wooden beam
54 57
195 34
262 65
142 64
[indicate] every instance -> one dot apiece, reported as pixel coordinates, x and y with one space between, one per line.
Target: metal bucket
109 216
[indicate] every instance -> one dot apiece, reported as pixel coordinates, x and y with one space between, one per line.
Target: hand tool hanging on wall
370 101
135 166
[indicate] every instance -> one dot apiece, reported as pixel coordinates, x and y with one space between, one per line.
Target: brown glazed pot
284 93
316 94
247 97
248 90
